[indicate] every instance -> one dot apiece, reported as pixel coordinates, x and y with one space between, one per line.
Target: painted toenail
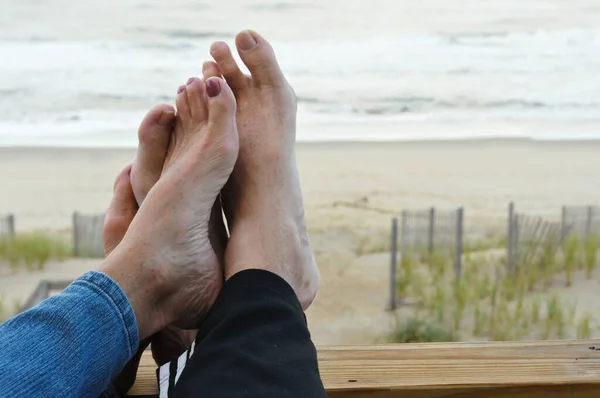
246 41
191 80
165 118
180 89
213 87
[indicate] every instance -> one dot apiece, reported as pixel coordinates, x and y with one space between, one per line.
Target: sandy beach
351 192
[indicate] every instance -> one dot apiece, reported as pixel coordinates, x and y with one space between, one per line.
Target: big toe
259 57
154 134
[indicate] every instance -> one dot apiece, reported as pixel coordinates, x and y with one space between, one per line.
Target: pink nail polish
213 87
180 89
190 80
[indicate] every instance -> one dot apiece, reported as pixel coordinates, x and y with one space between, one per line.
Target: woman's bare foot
167 244
154 137
264 193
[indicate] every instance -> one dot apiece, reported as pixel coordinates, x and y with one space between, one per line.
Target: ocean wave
403 105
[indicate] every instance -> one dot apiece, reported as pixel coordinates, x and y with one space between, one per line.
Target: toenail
246 41
213 87
191 80
180 89
165 118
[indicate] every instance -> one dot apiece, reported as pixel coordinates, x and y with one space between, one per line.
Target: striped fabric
169 374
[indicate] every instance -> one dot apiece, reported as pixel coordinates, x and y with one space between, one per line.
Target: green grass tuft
418 330
32 250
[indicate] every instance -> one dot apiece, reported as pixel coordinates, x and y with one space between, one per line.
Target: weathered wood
589 222
431 231
393 264
459 242
508 369
42 292
7 226
75 235
87 235
510 243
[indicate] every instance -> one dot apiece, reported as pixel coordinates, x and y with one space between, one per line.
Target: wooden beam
546 369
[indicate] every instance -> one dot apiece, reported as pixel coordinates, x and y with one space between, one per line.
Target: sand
351 191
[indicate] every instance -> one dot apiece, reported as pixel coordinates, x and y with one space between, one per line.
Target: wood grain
469 370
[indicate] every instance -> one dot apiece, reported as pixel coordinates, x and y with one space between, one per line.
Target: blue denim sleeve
71 345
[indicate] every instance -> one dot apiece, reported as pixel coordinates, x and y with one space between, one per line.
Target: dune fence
421 234
87 235
583 221
531 240
7 226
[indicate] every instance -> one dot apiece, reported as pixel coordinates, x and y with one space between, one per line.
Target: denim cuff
110 291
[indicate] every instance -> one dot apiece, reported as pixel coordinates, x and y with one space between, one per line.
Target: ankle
281 247
143 288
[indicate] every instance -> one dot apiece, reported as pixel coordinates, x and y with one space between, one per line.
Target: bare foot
168 241
154 137
119 215
264 193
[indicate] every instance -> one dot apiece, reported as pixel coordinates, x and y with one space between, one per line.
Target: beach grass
32 251
418 330
492 303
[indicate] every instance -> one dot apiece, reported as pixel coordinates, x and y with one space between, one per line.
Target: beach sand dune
351 192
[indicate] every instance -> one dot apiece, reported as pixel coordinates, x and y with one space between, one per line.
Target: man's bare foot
119 215
154 135
263 201
167 243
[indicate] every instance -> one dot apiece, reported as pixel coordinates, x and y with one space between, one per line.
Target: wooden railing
545 369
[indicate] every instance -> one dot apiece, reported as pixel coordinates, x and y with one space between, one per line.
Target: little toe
195 90
154 135
259 57
232 73
210 69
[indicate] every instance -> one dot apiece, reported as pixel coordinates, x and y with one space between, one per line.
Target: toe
221 113
181 102
259 57
211 69
232 73
120 212
195 90
154 135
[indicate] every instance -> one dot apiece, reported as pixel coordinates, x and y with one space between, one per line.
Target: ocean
84 73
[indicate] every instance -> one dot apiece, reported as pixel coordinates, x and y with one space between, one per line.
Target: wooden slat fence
581 220
422 233
529 237
87 235
7 226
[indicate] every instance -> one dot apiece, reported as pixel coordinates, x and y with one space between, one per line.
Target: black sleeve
254 343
